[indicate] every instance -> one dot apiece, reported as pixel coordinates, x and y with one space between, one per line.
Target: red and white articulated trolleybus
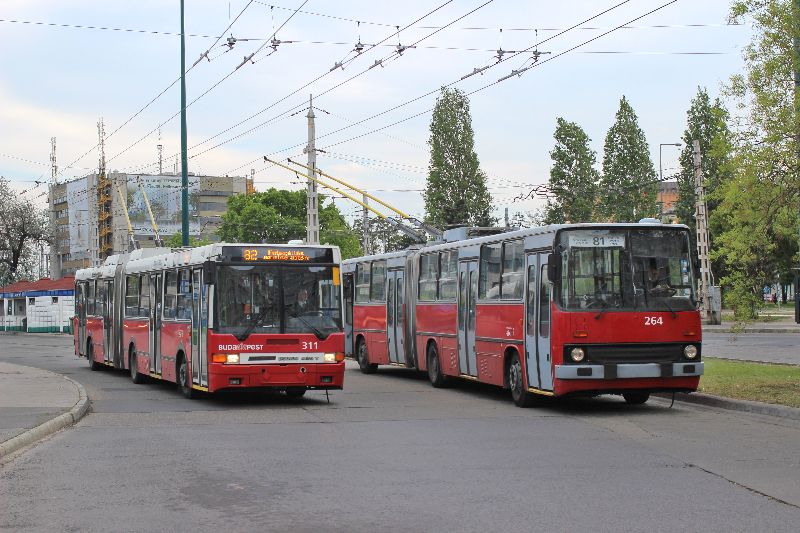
222 316
554 311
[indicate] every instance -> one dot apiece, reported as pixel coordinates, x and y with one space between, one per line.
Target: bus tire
93 365
516 383
363 359
435 374
136 376
295 392
183 379
636 397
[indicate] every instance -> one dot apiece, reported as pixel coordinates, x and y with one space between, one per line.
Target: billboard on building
164 194
81 223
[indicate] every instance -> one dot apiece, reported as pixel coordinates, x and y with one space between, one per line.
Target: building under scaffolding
90 222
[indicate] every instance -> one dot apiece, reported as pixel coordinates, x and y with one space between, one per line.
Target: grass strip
758 382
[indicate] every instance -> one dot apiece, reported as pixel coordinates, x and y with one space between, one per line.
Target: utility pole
312 206
702 235
796 62
55 266
184 158
365 226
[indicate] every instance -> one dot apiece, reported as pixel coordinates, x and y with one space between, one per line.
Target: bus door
348 288
537 324
394 316
467 298
108 321
82 318
155 323
199 329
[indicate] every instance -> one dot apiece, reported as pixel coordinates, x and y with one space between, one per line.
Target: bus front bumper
313 376
629 370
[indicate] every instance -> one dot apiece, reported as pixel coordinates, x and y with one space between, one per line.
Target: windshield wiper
253 325
604 307
318 333
671 310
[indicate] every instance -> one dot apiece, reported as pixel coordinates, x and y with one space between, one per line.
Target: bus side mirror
554 267
209 272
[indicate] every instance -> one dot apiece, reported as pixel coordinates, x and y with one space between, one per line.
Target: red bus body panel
369 321
438 323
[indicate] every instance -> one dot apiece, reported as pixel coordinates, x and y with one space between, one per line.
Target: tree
573 178
278 216
176 241
757 208
628 187
22 227
456 191
708 123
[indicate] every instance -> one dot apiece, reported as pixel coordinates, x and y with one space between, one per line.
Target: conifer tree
628 187
573 178
456 191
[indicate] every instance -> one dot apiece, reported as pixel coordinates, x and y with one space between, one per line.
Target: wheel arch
508 354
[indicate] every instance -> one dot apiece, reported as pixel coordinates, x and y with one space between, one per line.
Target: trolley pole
702 235
184 158
312 205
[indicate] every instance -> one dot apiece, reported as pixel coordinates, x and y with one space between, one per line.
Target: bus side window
144 296
362 283
513 268
532 302
184 295
427 277
489 288
90 298
377 291
448 267
132 295
170 294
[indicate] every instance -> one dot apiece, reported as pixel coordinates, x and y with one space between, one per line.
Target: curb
53 425
747 406
751 330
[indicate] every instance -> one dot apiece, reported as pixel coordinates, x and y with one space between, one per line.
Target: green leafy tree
278 216
176 241
22 228
628 187
573 178
757 208
456 191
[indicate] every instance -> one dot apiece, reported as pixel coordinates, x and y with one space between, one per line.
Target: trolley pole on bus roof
184 158
312 204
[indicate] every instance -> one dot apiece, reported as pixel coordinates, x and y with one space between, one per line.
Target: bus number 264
653 321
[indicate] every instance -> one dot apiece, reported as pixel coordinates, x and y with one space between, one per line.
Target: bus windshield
626 269
277 299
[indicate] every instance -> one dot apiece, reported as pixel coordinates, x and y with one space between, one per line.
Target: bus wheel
183 378
636 398
363 359
136 376
93 365
435 374
516 382
295 392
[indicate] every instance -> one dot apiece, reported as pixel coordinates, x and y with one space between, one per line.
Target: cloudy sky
66 64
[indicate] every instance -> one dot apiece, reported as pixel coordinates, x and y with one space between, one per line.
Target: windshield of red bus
626 269
278 299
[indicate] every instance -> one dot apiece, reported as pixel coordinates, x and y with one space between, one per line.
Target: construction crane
134 245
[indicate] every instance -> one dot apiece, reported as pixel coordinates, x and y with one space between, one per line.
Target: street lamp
660 168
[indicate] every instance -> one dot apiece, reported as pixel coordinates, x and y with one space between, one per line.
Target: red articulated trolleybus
222 316
556 310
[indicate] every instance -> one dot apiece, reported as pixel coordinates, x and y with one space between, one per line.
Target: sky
66 65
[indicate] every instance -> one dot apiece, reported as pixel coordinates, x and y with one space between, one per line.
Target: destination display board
272 254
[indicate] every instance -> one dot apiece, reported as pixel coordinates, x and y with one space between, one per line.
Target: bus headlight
229 358
233 358
690 351
577 354
330 357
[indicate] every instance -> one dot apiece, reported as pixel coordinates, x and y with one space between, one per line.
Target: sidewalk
35 403
783 322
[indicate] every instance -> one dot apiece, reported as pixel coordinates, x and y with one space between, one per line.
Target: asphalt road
763 347
392 453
